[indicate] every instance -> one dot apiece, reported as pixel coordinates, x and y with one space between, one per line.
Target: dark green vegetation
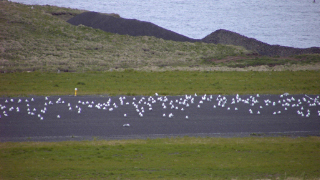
241 61
131 82
168 158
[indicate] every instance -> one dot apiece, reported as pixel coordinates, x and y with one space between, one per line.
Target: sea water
294 23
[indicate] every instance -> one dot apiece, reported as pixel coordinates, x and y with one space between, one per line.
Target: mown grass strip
165 83
167 158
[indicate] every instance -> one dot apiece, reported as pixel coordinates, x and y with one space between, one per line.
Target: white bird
58 116
125 115
187 117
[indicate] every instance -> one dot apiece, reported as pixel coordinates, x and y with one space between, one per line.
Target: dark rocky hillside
134 27
228 37
123 26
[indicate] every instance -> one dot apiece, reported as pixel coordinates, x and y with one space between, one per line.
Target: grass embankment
34 39
131 82
39 38
168 158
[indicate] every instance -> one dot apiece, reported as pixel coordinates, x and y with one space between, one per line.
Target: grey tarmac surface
129 117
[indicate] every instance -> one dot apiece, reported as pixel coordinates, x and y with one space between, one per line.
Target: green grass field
167 158
171 158
131 82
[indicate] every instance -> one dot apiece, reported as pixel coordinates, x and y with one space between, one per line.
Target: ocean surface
294 23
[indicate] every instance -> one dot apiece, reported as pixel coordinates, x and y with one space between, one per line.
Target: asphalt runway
61 118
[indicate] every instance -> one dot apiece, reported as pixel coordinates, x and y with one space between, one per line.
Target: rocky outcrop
228 37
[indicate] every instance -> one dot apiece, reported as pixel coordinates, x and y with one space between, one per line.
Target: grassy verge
131 82
168 158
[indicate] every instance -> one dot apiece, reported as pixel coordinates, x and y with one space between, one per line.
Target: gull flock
166 106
